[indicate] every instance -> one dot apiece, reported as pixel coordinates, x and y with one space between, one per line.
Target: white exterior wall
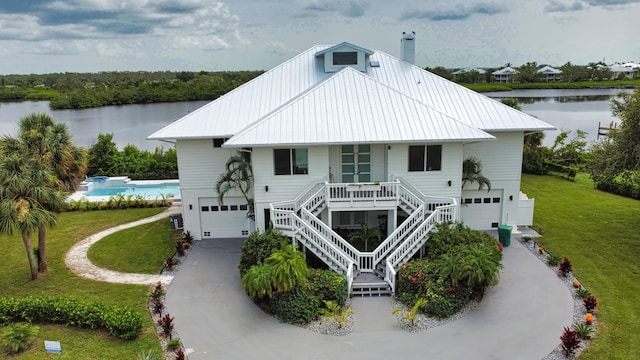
284 187
199 165
502 164
431 183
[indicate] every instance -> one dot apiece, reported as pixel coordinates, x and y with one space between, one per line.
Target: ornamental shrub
258 247
18 337
328 285
415 277
297 306
119 322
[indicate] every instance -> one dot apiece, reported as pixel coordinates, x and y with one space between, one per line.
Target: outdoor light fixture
266 188
190 207
510 197
449 182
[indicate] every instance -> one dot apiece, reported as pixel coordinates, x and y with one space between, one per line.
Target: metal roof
242 109
506 71
549 70
352 107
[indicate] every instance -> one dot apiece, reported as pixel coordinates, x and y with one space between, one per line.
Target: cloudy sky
43 36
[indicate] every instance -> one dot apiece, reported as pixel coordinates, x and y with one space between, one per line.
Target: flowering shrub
588 318
576 283
328 285
415 277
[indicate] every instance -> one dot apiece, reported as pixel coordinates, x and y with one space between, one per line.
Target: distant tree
441 71
512 102
468 77
102 155
573 73
527 73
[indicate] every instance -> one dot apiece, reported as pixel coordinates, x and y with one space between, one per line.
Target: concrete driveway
520 318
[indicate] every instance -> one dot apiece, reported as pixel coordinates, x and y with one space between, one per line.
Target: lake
131 124
567 109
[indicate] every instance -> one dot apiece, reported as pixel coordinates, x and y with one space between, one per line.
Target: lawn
78 343
121 251
598 232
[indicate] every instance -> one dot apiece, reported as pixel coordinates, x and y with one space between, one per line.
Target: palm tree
239 177
366 234
24 188
472 172
49 143
288 268
257 282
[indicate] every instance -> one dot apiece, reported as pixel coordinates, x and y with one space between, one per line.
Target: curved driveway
520 318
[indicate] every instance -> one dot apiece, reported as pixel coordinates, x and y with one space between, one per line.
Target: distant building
628 69
547 73
504 75
468 70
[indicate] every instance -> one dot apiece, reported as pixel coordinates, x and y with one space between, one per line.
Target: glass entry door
356 163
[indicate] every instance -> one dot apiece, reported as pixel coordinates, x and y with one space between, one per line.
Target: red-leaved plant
570 341
157 306
179 354
166 323
565 267
590 302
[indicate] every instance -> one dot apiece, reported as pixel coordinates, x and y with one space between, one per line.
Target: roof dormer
344 55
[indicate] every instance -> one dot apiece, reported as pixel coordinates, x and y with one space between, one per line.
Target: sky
43 36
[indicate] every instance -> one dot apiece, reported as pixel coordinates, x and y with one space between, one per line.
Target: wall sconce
266 188
449 182
510 197
190 207
389 147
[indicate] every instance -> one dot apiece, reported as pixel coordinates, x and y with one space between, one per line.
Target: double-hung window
425 158
291 161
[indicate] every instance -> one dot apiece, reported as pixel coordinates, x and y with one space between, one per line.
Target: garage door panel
481 209
223 221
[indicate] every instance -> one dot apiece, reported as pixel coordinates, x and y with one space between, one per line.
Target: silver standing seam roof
298 103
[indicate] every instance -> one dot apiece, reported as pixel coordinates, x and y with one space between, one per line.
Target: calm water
131 124
567 109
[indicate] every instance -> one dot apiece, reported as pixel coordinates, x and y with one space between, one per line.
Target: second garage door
481 210
223 221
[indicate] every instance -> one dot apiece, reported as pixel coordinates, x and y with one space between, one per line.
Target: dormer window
337 57
345 58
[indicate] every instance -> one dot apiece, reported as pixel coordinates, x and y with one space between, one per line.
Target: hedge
117 321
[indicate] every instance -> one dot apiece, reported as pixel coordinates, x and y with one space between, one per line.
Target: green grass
78 343
599 233
142 249
490 87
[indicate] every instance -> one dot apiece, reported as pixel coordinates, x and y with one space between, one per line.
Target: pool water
166 190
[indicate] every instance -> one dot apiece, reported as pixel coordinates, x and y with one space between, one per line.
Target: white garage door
228 221
481 210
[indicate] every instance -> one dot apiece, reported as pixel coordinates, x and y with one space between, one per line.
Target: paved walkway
78 262
520 318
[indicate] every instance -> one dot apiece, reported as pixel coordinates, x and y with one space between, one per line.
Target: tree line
85 90
528 73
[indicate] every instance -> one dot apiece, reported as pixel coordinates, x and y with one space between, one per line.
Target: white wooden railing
402 243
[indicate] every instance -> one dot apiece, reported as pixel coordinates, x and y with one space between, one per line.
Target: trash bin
176 221
504 235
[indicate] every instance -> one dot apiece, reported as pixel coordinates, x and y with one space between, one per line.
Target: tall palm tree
288 268
24 188
472 172
49 143
238 176
366 235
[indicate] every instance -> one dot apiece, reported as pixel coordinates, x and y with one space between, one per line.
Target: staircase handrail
398 235
350 276
288 219
331 236
390 276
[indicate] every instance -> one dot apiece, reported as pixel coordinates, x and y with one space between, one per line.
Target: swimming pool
153 190
101 188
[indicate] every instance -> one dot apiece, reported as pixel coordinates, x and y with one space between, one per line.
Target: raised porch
301 219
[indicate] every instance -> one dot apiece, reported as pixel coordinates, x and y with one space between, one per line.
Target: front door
356 163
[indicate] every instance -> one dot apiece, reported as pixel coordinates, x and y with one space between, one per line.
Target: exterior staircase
367 273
